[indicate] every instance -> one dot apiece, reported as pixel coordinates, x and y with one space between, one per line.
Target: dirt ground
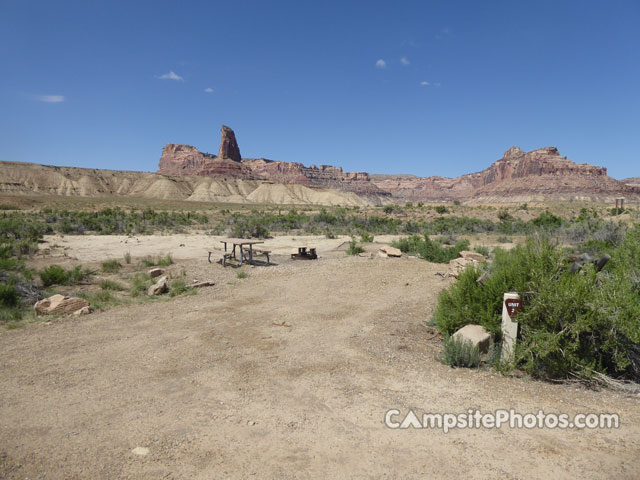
287 373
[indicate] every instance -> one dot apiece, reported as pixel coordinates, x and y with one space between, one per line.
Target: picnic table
244 246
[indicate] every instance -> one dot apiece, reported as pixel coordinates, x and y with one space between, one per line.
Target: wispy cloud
429 84
208 90
425 84
436 84
381 64
405 61
50 98
444 32
171 76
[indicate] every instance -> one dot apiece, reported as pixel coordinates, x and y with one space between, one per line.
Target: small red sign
513 306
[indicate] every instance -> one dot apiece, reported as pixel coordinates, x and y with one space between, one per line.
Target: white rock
142 451
477 335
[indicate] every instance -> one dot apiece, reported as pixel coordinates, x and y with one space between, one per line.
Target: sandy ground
285 374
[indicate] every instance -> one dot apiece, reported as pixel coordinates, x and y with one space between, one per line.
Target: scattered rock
142 451
477 335
382 254
155 272
203 284
160 287
478 257
60 304
391 251
459 264
82 311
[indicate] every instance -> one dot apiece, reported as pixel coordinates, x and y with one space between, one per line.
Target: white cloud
425 84
50 98
381 64
208 90
405 61
171 76
437 84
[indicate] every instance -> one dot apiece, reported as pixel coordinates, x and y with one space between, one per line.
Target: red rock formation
518 176
228 145
187 160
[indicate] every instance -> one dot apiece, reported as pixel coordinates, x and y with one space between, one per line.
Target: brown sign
513 306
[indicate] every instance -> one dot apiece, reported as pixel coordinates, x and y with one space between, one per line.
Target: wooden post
510 307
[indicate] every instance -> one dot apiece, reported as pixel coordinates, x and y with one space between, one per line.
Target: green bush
179 286
460 353
127 258
242 275
570 323
165 261
111 285
503 239
483 250
157 262
429 250
111 266
354 248
139 284
441 209
8 296
366 237
56 275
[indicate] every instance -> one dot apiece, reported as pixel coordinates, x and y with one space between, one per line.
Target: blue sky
429 88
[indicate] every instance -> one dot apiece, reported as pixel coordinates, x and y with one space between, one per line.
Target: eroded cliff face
187 160
541 174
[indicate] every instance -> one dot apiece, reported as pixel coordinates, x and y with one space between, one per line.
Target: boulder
478 257
82 311
391 251
477 335
60 304
160 287
155 272
459 264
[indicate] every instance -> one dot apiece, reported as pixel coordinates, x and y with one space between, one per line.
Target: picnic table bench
303 254
244 247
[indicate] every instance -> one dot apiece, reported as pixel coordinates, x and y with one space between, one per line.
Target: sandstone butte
538 175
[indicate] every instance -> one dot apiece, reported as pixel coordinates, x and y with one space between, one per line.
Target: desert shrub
456 203
483 250
441 209
424 247
242 275
56 275
460 353
354 248
503 239
366 237
100 300
139 284
111 266
107 284
179 286
165 261
570 323
547 221
157 262
8 296
127 258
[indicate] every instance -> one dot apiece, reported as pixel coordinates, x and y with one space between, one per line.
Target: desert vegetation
572 323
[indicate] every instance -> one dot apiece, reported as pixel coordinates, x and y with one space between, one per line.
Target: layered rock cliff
187 160
541 174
